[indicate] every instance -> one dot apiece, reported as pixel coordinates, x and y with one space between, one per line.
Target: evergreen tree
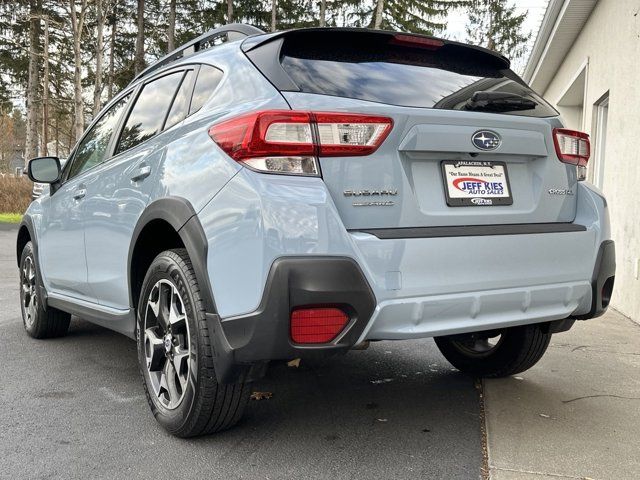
14 51
417 16
495 25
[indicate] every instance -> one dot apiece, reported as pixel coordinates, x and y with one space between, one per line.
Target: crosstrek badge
476 183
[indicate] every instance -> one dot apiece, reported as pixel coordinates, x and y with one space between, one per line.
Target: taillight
289 142
572 147
345 134
317 325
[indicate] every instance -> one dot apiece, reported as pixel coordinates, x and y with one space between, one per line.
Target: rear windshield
371 66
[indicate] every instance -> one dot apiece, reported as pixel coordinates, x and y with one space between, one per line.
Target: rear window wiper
499 102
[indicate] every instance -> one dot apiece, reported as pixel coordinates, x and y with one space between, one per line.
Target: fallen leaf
261 395
294 363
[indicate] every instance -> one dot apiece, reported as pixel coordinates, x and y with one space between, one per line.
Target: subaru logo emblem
486 140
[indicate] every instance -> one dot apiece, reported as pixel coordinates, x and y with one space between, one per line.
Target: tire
518 349
38 322
177 347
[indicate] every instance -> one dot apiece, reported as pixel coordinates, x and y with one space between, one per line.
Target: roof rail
233 31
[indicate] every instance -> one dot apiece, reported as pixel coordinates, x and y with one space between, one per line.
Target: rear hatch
471 144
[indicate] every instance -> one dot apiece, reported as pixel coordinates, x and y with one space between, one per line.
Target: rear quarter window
208 79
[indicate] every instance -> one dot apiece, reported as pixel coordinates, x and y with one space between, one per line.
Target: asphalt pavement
74 408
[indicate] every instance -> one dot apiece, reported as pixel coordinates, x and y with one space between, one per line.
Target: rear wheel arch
165 224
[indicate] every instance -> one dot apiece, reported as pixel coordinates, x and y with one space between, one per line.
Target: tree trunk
57 135
229 11
491 33
139 56
31 142
274 10
377 21
77 25
323 12
70 138
112 54
45 90
171 27
97 89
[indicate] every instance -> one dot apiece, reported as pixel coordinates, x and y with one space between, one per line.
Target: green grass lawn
10 217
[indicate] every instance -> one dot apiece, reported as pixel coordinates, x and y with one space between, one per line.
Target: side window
91 151
149 111
180 108
208 79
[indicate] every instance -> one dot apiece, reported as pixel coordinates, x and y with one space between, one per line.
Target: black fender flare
180 214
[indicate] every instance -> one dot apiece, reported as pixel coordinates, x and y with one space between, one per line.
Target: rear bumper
420 283
244 344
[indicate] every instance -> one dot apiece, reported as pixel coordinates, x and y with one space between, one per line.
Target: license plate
476 184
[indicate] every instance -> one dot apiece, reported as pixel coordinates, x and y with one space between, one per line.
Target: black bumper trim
602 280
245 343
471 230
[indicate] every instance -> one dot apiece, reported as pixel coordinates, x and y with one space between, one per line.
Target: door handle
80 193
143 172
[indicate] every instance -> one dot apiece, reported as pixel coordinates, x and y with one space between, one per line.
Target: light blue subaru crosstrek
253 197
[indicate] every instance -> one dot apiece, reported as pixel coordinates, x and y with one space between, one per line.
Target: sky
535 12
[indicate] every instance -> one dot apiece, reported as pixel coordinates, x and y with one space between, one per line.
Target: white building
586 62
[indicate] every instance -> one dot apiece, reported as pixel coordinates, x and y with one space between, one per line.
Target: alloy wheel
167 345
28 292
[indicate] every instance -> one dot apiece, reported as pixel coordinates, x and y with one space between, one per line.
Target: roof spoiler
255 42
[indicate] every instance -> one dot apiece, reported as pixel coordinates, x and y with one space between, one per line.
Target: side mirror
44 169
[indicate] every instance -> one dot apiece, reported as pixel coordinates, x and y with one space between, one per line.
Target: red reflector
317 325
417 42
572 147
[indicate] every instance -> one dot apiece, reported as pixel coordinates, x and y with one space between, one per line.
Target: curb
8 226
